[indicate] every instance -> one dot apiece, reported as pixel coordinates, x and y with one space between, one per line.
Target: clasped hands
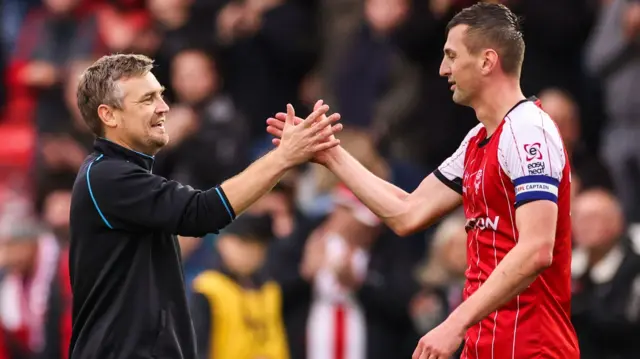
300 140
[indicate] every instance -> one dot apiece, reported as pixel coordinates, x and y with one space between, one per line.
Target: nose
162 107
445 70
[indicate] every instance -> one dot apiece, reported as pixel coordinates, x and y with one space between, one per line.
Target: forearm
383 198
515 273
256 180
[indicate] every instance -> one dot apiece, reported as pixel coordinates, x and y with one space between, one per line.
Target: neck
495 102
126 144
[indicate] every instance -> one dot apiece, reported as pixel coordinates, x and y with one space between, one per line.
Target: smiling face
141 120
460 67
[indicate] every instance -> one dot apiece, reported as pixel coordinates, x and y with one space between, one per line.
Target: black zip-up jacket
129 296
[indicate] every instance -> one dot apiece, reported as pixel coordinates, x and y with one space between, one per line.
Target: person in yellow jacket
236 309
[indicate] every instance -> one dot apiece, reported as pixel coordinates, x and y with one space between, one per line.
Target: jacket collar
112 149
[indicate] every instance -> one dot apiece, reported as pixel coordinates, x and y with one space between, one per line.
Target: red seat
17 145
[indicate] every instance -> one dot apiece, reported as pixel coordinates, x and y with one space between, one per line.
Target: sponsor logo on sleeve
536 168
533 151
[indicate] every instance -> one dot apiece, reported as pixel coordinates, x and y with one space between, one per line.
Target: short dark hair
495 26
98 86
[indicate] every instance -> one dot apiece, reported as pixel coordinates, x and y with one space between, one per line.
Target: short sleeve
450 172
531 153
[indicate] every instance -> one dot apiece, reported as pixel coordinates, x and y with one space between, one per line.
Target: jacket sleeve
129 198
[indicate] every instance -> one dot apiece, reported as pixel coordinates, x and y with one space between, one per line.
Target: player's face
460 67
141 121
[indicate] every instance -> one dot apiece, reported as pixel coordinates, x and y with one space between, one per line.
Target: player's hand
441 342
301 140
276 126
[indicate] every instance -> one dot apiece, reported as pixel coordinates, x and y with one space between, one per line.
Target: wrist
335 156
460 319
281 160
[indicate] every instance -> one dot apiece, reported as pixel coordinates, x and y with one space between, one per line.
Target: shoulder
473 133
529 121
102 170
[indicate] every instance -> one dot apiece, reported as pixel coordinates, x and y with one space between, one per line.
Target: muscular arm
404 213
536 222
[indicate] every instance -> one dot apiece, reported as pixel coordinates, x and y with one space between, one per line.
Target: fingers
276 142
274 131
317 105
417 353
280 118
311 119
320 125
326 145
290 115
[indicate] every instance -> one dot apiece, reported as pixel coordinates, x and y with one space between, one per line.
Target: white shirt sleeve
450 172
531 153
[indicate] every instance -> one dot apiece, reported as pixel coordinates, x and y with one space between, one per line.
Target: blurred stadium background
350 288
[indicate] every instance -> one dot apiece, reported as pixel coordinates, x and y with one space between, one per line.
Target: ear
489 61
107 115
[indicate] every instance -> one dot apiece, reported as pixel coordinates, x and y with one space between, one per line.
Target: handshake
300 140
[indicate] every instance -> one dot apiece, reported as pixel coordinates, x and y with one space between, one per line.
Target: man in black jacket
129 293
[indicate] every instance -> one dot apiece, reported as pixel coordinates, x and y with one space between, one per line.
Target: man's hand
276 126
441 342
345 273
301 140
229 20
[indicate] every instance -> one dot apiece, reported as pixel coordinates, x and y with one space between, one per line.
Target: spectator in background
208 133
418 137
29 257
606 275
176 25
62 152
585 165
362 286
442 275
374 84
237 311
266 48
614 56
57 206
49 38
12 13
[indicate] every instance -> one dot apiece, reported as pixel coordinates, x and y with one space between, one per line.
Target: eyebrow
151 93
448 51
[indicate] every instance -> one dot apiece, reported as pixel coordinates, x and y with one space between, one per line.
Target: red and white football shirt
522 161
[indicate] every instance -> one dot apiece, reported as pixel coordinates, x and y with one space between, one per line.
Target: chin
160 141
459 99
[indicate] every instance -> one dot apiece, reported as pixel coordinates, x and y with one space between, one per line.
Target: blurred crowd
316 274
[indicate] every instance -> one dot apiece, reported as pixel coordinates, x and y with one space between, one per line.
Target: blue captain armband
533 188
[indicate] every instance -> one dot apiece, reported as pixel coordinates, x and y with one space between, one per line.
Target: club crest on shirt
478 180
533 151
